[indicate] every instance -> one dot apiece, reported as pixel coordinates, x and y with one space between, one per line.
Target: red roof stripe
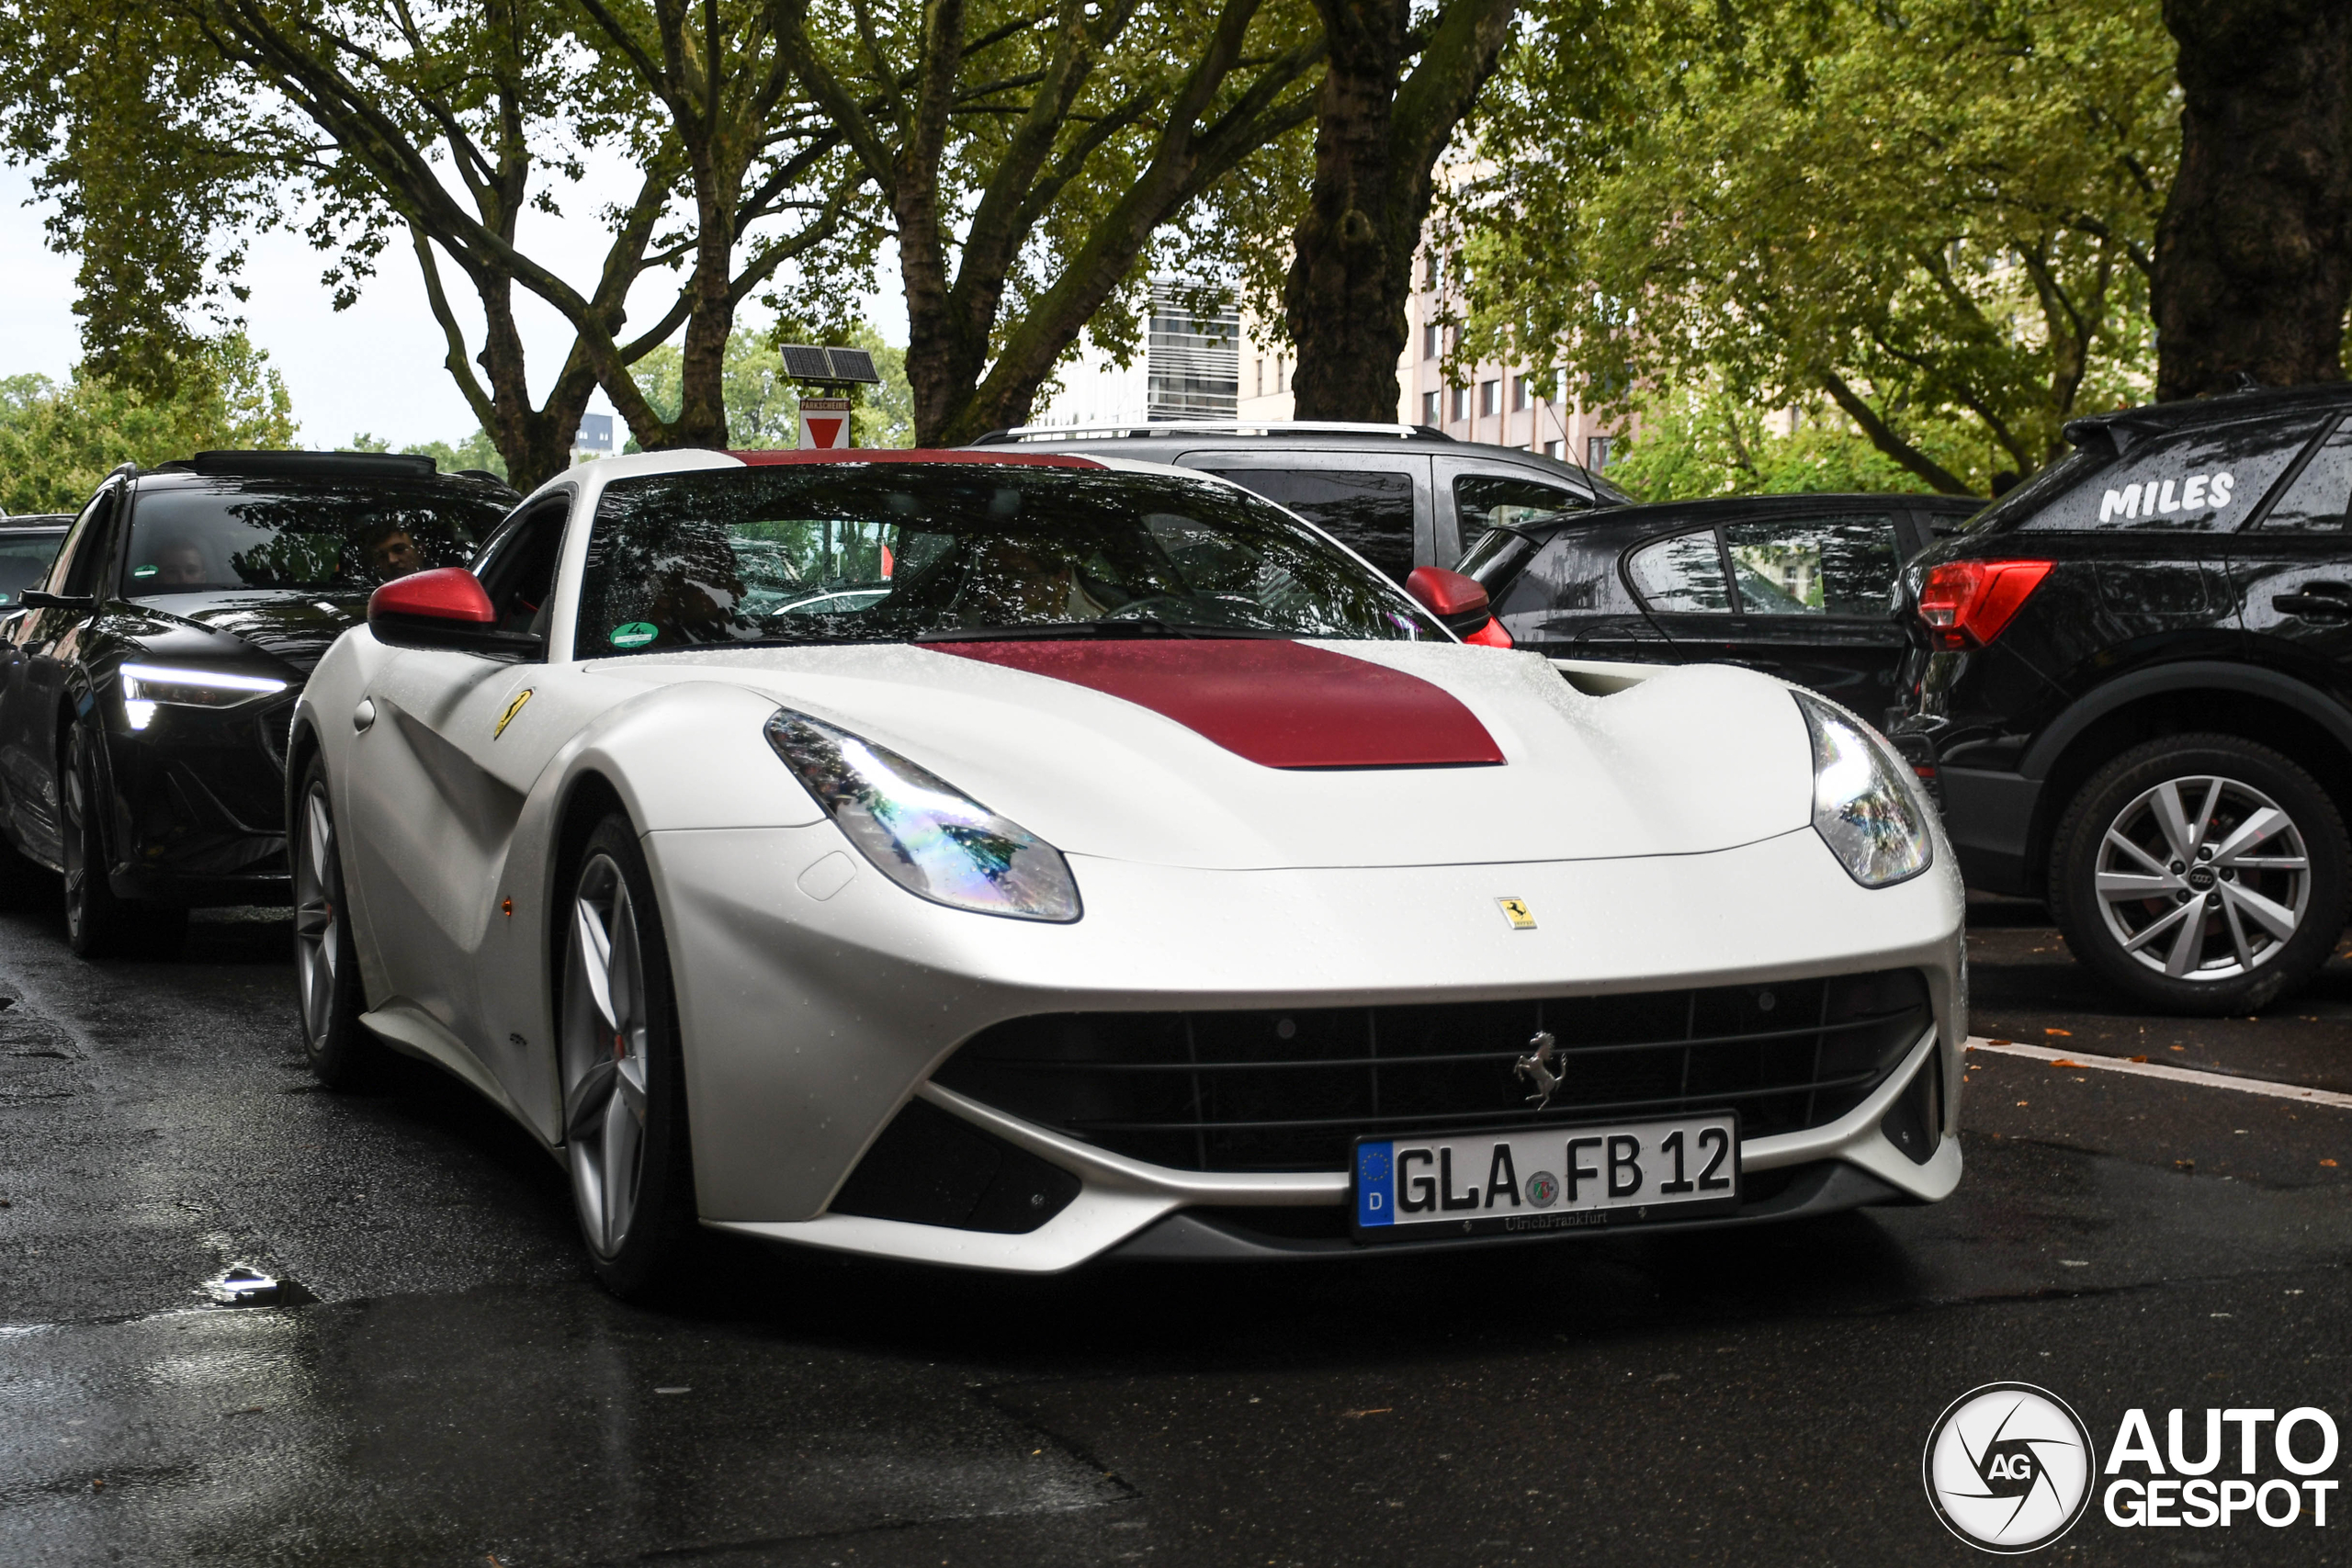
915 455
1282 704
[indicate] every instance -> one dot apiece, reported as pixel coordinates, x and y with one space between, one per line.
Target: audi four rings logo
2008 1467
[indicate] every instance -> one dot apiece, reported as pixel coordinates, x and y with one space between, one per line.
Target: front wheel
2201 874
341 1052
98 924
624 1077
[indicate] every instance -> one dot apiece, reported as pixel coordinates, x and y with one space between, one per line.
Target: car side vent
931 1168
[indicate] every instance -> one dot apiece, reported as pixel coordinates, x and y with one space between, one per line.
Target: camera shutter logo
2008 1467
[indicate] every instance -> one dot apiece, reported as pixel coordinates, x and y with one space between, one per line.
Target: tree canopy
1925 211
57 443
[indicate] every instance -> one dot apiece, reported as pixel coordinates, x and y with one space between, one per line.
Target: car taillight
1491 635
1966 603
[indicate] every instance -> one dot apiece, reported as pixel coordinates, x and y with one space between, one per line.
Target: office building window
1518 392
1428 340
1462 402
1596 451
1192 362
1432 414
1262 380
1556 449
1491 397
1281 375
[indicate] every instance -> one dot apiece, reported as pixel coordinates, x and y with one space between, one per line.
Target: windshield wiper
1118 630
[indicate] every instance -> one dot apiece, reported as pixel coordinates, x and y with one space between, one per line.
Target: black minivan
2130 682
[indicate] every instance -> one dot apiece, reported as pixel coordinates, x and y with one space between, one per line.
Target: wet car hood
296 627
1696 759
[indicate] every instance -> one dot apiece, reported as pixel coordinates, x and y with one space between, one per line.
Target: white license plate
1547 1178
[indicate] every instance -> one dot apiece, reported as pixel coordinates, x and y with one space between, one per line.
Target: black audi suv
2131 682
146 684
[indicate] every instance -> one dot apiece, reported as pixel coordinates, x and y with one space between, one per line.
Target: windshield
2030 497
891 552
25 557
322 538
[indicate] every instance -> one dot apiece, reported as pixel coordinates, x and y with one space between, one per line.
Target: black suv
146 685
2131 682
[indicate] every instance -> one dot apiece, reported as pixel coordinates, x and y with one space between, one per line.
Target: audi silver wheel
2201 874
604 1053
318 917
2203 878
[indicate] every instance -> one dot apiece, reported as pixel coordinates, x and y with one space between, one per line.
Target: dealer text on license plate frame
1551 1177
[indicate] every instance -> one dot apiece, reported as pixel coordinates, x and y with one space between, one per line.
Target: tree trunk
1377 141
2253 257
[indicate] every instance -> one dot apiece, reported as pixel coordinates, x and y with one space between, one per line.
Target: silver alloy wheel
605 1045
318 922
2203 878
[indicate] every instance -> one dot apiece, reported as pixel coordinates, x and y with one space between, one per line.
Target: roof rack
1136 430
290 465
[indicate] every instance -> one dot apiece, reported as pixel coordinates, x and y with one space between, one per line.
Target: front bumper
811 1023
199 805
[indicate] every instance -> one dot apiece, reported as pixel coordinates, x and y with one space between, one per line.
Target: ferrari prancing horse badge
511 709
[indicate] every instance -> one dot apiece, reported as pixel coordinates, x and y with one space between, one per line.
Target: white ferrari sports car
1009 859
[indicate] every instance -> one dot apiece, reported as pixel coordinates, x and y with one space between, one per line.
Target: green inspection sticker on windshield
142 572
635 634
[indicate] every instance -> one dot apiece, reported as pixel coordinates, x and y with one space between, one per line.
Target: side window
1814 566
517 567
2203 482
1368 510
2321 496
1497 501
80 559
1567 574
1681 574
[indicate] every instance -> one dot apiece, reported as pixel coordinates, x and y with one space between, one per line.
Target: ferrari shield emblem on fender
1515 910
511 709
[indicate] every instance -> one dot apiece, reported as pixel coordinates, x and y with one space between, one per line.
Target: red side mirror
1446 594
1460 602
442 608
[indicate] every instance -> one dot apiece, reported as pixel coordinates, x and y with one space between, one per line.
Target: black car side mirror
445 608
34 599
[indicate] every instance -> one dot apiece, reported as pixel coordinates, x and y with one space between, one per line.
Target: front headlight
1862 807
923 832
144 685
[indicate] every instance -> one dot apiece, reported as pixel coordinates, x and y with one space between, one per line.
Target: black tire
621 1068
97 923
328 994
2210 934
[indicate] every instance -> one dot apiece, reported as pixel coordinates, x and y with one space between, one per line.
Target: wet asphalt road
458 1392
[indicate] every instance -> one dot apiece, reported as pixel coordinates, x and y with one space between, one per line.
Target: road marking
2156 1070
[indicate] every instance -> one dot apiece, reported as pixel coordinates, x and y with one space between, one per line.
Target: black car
146 685
1800 586
2130 681
28 544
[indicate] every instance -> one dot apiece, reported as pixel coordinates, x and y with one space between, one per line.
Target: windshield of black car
25 555
324 536
2030 497
894 551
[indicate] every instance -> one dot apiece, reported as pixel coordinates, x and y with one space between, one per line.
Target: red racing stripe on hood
1282 704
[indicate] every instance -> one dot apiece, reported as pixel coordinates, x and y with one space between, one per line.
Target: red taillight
1966 603
1491 635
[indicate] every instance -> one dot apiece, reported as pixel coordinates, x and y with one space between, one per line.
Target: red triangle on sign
826 432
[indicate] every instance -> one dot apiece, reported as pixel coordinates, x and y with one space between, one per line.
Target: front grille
1291 1088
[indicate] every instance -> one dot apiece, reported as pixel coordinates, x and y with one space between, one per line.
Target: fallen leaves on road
2065 1061
2067 1033
2327 1162
1382 1410
2139 1058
